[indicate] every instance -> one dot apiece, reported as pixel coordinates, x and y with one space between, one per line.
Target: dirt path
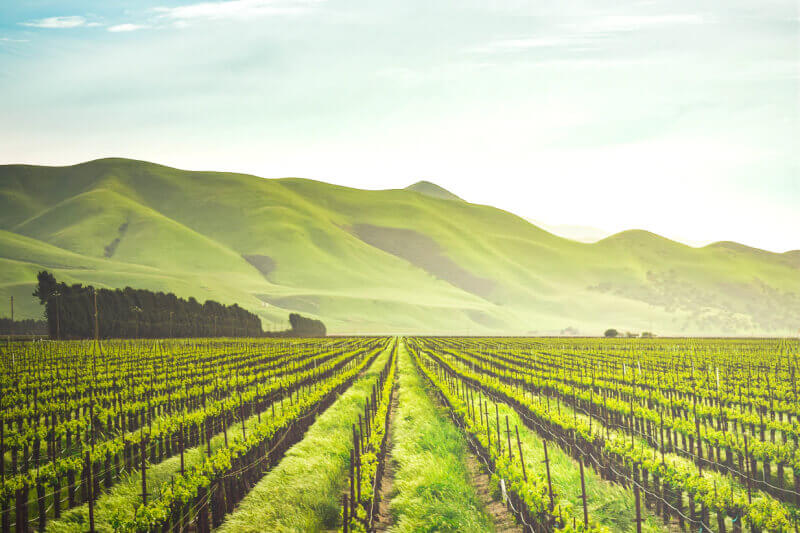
502 518
384 519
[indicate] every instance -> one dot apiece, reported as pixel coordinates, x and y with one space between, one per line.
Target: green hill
431 189
403 261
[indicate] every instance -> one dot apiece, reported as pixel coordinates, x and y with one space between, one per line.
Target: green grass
187 233
303 492
432 491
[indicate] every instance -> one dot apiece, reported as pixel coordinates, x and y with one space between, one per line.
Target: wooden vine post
508 438
144 470
521 457
549 480
637 499
90 490
583 494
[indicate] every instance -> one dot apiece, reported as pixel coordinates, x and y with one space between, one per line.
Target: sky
680 117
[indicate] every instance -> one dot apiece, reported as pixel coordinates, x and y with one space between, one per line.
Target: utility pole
11 333
96 323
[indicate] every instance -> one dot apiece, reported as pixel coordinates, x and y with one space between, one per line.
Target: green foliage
70 311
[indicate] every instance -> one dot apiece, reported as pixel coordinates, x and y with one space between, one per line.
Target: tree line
138 313
26 327
305 327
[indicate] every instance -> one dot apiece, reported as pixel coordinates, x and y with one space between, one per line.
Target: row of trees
22 327
138 313
612 333
306 327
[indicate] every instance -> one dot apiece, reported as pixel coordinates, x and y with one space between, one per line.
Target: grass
432 491
303 492
188 231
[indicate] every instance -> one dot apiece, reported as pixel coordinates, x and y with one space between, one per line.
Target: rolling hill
415 260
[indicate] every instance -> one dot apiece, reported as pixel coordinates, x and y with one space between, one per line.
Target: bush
610 333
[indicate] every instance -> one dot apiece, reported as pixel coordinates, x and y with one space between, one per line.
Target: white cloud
622 23
588 34
56 22
126 27
9 40
512 45
233 9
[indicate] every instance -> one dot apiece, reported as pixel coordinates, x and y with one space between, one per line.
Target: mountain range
414 260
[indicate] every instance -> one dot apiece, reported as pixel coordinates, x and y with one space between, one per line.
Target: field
401 434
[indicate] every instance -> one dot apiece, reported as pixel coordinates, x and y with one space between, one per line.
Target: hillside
404 261
431 189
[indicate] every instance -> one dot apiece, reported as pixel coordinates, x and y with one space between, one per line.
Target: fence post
636 497
144 472
90 491
352 475
583 494
181 444
747 470
549 481
521 457
497 422
508 438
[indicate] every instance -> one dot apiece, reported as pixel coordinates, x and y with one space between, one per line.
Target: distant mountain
574 232
402 261
432 190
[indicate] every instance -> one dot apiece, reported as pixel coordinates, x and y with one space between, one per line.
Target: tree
610 333
142 313
306 327
45 291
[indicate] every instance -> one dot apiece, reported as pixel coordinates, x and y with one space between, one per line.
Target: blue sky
679 117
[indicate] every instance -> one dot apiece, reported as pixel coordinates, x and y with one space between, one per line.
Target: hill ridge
332 252
431 189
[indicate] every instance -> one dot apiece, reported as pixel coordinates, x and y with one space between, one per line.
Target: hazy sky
681 117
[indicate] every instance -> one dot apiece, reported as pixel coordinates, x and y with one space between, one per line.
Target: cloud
588 34
234 9
56 22
511 45
126 27
10 40
625 23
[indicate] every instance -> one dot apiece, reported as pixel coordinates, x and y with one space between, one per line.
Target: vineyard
400 434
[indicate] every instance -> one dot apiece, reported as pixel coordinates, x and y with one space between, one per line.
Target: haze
677 117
